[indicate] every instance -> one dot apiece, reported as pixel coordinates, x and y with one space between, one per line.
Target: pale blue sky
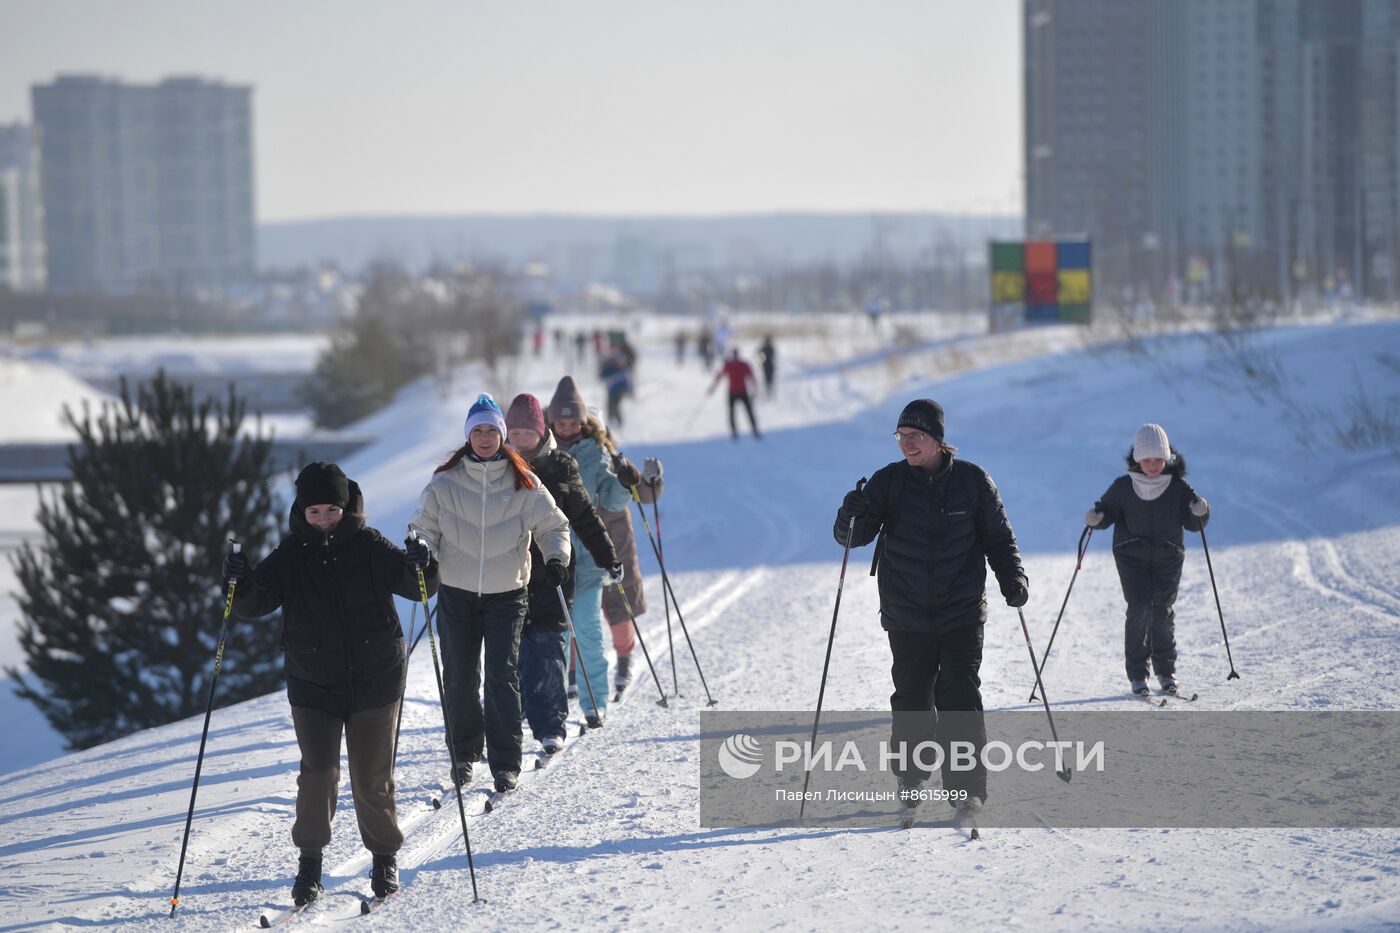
591 106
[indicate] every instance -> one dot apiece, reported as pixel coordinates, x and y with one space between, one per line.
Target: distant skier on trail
334 578
742 387
1149 507
768 362
480 513
940 521
543 645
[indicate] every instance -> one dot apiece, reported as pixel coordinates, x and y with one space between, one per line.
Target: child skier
1149 507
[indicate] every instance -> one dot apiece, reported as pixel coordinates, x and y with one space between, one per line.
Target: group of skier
523 526
938 521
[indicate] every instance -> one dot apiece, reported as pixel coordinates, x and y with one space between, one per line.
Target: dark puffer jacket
558 471
341 636
935 543
1148 544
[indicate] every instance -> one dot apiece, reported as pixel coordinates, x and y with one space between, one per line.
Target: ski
269 921
496 798
371 904
1149 699
1178 695
906 819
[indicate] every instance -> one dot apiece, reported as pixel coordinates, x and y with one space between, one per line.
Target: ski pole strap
1084 537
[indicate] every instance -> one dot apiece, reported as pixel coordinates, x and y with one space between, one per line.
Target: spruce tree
122 598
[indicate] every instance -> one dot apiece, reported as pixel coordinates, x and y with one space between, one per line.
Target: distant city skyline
610 108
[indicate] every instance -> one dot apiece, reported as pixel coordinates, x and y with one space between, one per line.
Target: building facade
147 186
22 260
1242 145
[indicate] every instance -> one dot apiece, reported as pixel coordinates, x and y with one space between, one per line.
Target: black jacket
558 470
1148 544
341 636
937 534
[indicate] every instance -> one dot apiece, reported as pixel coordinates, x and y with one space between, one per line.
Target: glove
854 505
415 552
235 566
627 473
1093 517
615 573
1018 596
557 572
1200 507
651 470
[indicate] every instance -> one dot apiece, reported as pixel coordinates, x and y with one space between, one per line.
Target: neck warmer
1149 488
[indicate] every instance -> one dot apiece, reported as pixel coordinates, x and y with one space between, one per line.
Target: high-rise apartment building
22 261
146 186
1233 143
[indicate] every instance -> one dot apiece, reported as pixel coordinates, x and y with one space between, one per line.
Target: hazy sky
589 106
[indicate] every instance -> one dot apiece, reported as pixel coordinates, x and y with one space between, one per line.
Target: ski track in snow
608 837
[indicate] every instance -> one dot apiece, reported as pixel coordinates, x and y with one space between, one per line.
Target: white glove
1199 507
651 470
1093 517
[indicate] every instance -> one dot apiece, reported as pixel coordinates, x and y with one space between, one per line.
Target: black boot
462 773
307 886
384 879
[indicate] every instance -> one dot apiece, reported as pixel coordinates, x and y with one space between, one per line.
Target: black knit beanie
322 483
925 415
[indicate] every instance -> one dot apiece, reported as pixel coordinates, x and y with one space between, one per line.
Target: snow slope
1303 540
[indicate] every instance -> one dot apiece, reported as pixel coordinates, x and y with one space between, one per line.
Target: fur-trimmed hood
1176 466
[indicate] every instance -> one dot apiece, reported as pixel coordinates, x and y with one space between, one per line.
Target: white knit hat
1151 441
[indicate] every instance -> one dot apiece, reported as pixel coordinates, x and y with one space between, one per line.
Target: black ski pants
935 673
468 622
1149 631
369 744
741 398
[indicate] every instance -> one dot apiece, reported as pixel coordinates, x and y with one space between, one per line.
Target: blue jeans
542 672
588 624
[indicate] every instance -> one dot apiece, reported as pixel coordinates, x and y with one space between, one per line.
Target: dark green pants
369 745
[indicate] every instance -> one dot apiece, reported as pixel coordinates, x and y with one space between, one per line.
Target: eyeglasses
911 437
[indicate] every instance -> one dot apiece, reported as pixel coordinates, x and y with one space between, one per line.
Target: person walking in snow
334 578
543 647
480 513
1149 507
617 380
742 387
768 362
583 436
939 522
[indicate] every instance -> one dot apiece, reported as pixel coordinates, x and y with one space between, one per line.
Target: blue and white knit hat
485 411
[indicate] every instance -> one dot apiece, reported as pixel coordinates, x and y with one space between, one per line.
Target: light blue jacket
595 468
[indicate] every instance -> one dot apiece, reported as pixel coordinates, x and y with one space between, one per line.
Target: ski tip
1065 775
975 834
489 805
437 803
263 922
1162 702
364 908
1193 698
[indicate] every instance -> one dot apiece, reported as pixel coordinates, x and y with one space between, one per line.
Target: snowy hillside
1303 539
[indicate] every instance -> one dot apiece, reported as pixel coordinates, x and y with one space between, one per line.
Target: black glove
235 566
615 573
1017 596
627 473
415 552
854 505
556 572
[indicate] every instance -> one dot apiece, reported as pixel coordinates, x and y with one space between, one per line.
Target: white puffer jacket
479 526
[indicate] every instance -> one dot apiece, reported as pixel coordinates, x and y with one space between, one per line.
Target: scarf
1149 488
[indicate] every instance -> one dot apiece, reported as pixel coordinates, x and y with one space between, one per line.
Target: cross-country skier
768 363
543 658
742 388
1149 508
583 436
940 521
334 578
480 513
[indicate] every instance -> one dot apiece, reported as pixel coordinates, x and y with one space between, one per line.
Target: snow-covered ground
1304 538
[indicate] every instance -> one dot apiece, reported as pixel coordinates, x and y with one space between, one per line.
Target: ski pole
666 581
1065 774
1234 674
1084 537
830 640
398 721
578 655
447 726
627 604
665 596
208 712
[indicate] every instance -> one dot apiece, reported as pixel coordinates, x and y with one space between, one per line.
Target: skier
649 484
617 379
682 338
1149 507
480 513
741 382
705 347
334 578
940 521
768 361
542 644
583 436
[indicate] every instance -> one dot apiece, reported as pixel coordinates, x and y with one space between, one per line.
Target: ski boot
594 720
1168 682
1139 686
622 676
384 878
462 773
307 886
506 780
